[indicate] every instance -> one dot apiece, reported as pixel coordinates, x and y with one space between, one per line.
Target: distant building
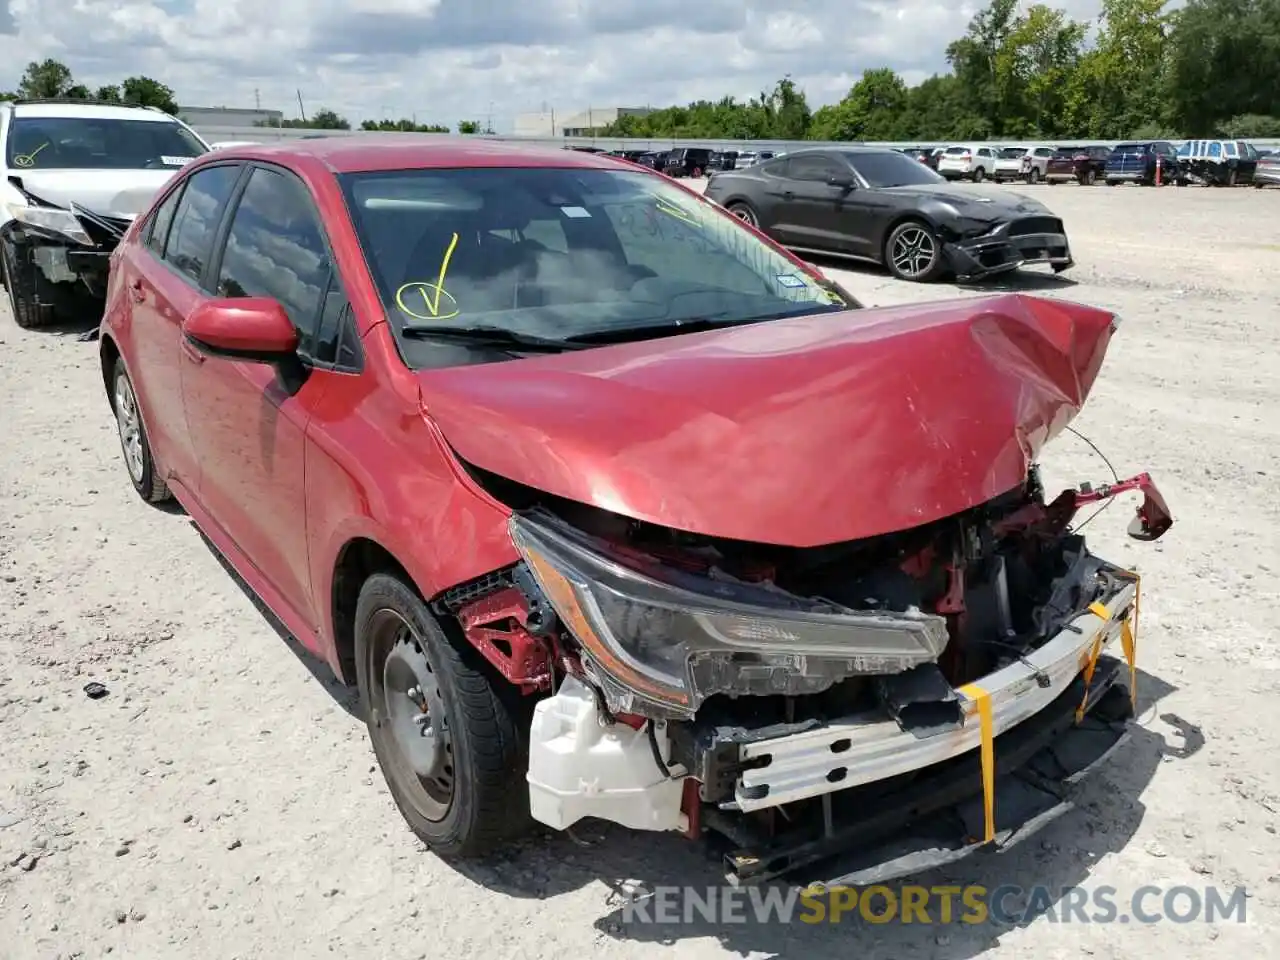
228 116
552 123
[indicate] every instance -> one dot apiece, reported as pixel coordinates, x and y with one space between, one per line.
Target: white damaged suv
75 173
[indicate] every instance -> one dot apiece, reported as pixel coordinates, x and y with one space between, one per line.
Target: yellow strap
1129 640
986 727
1102 613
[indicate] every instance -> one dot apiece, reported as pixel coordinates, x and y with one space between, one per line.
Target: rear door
249 424
162 280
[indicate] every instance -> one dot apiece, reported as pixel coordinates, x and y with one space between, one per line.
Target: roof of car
372 152
88 108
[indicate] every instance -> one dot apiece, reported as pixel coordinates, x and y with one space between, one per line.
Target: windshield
99 143
562 253
893 169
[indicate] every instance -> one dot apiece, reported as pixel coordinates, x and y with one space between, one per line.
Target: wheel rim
745 215
130 426
408 707
913 252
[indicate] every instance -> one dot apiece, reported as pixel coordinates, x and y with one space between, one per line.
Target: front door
808 208
249 420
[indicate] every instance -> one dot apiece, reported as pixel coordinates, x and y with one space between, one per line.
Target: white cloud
446 60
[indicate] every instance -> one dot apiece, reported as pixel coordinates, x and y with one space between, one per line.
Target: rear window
99 143
1133 148
956 151
1012 153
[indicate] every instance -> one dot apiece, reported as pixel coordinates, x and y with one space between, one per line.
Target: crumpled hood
798 432
978 200
116 193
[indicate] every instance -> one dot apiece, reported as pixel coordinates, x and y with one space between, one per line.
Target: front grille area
1020 228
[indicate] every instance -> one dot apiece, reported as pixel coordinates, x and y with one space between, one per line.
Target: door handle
136 291
192 351
788 195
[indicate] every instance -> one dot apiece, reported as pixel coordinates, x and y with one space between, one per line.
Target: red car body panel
803 431
799 432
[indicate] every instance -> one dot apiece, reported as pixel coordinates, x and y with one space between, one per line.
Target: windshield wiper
489 336
692 325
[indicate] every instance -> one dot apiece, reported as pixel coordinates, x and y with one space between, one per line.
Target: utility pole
257 99
301 109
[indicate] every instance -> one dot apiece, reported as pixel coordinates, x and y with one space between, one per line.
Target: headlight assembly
50 220
668 640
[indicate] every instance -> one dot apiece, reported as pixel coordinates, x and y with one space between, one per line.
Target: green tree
468 126
111 93
146 92
403 125
46 79
875 108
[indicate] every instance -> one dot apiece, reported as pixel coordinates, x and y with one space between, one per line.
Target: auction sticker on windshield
176 161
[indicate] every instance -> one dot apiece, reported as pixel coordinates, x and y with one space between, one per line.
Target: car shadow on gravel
1050 863
342 695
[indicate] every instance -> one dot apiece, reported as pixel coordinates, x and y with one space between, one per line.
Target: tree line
1210 68
50 79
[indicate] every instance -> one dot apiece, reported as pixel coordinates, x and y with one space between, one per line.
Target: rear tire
458 776
978 175
134 443
1033 177
1090 178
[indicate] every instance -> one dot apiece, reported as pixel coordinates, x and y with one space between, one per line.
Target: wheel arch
356 561
897 220
108 356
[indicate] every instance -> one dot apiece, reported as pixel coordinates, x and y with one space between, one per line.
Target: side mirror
243 328
843 182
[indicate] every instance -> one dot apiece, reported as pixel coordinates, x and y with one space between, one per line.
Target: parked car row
693 162
1147 162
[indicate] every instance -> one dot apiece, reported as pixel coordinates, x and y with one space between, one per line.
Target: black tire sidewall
455 833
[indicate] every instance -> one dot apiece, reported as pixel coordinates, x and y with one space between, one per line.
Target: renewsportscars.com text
937 905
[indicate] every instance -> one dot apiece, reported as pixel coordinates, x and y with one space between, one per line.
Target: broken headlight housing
660 641
50 220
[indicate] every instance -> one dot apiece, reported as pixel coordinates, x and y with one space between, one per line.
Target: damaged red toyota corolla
611 508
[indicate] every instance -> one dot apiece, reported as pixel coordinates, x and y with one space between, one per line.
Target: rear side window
196 218
956 151
276 249
158 228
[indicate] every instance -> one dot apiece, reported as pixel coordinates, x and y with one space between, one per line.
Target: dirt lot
222 801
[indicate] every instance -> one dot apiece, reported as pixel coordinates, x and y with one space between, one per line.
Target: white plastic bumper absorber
580 767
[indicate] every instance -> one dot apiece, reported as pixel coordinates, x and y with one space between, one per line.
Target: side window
817 168
336 340
1215 149
1231 149
197 216
275 249
161 220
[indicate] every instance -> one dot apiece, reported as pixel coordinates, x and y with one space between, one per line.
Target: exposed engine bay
57 259
753 682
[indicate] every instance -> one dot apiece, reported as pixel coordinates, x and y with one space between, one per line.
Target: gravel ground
222 800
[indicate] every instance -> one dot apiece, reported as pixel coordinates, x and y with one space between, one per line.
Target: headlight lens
55 221
671 640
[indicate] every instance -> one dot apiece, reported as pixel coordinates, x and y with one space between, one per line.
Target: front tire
913 252
26 313
979 175
134 443
744 213
1033 177
447 743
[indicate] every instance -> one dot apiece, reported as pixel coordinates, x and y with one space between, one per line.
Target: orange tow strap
986 728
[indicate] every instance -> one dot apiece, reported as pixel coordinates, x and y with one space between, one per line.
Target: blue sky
447 60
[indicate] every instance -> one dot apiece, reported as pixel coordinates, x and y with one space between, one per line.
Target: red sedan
609 506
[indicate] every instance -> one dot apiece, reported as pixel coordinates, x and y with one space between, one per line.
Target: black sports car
876 204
